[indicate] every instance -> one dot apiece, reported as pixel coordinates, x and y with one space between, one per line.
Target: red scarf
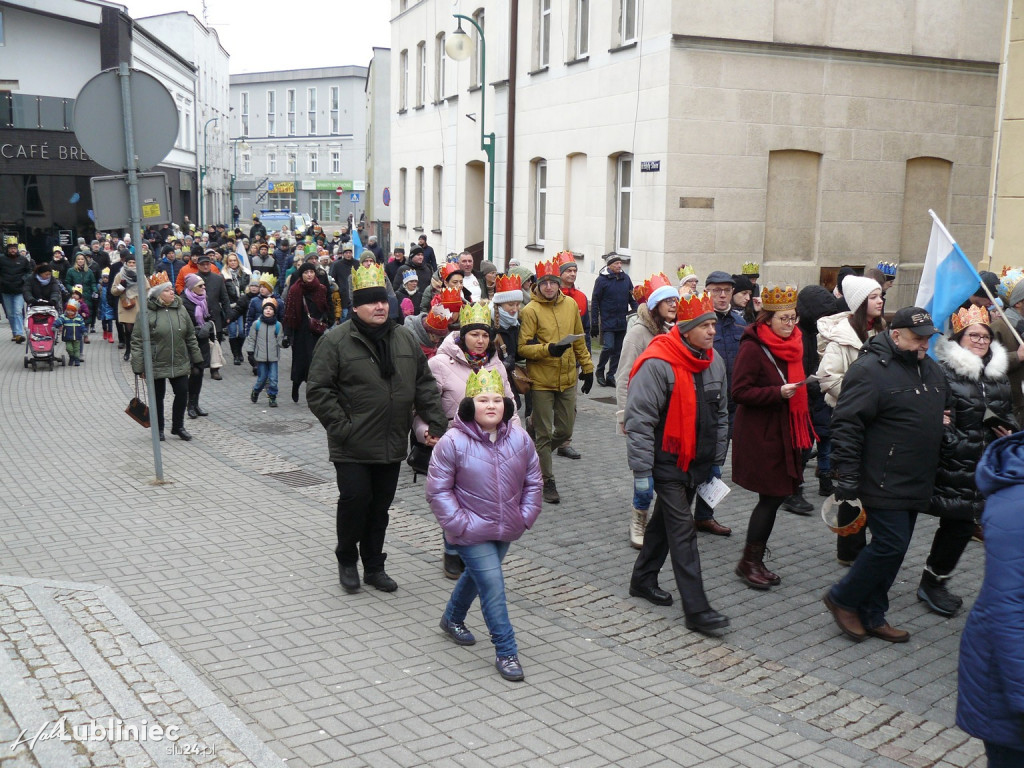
680 435
791 352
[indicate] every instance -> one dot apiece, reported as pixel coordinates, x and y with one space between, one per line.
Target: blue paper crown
887 268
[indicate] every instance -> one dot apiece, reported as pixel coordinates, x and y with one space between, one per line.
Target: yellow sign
283 188
150 210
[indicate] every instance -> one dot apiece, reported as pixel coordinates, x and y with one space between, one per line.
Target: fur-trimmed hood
644 317
965 363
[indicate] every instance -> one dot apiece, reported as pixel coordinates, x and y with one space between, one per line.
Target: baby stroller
41 337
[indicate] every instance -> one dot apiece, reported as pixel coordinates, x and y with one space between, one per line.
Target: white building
800 136
301 137
378 144
204 117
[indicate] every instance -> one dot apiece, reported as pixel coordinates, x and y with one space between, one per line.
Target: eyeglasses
788 320
720 291
980 338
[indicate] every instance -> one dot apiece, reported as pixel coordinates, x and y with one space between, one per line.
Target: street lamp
234 170
203 168
459 47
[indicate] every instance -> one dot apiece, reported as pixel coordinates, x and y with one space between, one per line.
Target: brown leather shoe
847 621
889 634
713 527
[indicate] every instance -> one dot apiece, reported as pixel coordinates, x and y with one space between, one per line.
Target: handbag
518 379
317 327
419 457
137 408
127 303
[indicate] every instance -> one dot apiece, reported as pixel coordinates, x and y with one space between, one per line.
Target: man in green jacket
366 378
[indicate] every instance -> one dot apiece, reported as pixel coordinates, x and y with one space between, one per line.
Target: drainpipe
510 154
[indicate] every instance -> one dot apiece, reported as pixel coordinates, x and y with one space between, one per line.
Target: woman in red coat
772 425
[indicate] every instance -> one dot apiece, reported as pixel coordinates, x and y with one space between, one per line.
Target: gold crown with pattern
475 314
973 315
776 298
547 269
369 276
685 271
650 285
1011 276
750 268
487 380
691 306
159 277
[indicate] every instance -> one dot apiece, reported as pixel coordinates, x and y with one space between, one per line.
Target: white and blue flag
949 278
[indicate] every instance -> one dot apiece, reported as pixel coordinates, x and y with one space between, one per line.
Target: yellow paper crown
750 268
776 298
474 314
973 315
685 271
368 276
10 240
488 380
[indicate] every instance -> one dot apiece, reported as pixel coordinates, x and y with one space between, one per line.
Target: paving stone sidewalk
231 564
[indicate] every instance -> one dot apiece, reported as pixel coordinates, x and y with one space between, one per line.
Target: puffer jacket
264 340
451 371
14 272
546 321
642 329
612 299
481 490
839 345
990 689
172 339
367 417
975 383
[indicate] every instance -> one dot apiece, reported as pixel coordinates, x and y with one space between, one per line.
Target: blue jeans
236 328
14 306
266 375
483 577
865 587
1003 757
611 343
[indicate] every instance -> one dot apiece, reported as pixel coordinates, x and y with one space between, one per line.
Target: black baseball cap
915 319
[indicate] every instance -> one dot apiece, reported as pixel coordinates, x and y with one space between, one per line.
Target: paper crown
887 268
450 299
650 285
547 269
452 258
475 314
437 319
750 268
564 257
506 283
973 315
368 276
157 279
691 306
10 240
268 279
449 269
1009 281
685 271
776 298
488 380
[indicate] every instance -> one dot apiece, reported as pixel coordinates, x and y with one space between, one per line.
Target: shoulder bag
137 408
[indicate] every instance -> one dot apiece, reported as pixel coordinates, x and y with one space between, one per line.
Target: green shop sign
346 185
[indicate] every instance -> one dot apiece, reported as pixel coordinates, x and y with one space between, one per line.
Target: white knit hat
856 290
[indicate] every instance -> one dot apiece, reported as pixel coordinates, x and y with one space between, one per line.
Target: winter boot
935 595
797 504
825 486
273 401
236 349
750 567
254 395
550 492
637 526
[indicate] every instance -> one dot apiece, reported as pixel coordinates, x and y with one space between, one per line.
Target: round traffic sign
340 190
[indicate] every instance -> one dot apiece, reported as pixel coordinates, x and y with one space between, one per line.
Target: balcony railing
47 113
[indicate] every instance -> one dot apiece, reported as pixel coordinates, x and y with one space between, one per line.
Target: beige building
800 135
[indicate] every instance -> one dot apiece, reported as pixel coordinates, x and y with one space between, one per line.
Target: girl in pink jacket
484 487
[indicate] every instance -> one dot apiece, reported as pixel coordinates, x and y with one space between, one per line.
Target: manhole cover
298 478
280 427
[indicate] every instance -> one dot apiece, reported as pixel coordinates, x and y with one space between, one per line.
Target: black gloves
847 488
252 359
588 382
197 370
286 342
557 350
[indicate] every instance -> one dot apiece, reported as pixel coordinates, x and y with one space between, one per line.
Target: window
474 68
1 27
438 197
282 201
623 202
335 162
243 109
311 110
439 61
290 102
421 73
627 21
292 166
582 28
335 110
418 221
314 162
403 80
539 200
543 33
246 164
325 206
401 196
271 113
271 162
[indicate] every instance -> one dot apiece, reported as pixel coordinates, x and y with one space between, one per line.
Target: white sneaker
637 526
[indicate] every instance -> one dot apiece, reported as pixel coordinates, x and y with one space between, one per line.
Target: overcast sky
265 35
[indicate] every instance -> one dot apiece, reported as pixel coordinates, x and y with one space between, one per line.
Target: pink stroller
42 340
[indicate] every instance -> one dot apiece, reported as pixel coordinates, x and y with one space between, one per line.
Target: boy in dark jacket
72 325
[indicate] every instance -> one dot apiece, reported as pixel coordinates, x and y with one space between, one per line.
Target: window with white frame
421 73
402 178
582 28
418 221
623 202
543 33
290 103
314 162
438 197
403 81
439 63
246 164
271 162
335 110
311 111
243 110
335 162
539 199
627 21
271 113
474 67
292 166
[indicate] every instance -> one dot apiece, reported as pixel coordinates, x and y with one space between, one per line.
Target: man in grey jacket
675 434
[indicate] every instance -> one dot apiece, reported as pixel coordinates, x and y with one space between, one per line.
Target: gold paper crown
450 299
650 285
974 315
474 314
750 268
547 269
776 298
508 283
685 271
437 319
691 306
159 277
268 279
368 276
10 240
487 380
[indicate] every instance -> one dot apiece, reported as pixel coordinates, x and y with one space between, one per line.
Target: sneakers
550 492
510 668
797 504
254 395
453 566
637 526
273 401
934 594
380 580
457 631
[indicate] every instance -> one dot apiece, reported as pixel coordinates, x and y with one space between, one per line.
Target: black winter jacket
975 383
13 272
887 426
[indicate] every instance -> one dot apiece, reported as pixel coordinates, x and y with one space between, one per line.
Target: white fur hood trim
965 363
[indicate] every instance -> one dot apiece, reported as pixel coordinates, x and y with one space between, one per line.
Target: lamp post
234 169
459 47
202 169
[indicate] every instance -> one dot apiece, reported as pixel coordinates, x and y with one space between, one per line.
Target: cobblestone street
212 603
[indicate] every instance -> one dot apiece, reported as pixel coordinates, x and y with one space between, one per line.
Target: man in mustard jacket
547 327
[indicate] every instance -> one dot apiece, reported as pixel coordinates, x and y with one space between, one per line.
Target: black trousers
195 386
951 539
365 493
179 386
671 531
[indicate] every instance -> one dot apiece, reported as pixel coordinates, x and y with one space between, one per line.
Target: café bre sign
111 203
42 151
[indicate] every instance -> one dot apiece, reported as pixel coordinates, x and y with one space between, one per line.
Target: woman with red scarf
306 317
772 426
